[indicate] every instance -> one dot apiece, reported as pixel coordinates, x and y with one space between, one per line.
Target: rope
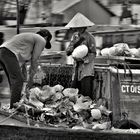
5 119
27 116
123 104
26 110
15 111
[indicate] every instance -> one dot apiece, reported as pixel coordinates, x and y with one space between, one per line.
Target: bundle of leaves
64 108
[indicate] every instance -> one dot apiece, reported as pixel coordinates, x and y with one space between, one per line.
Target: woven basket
58 74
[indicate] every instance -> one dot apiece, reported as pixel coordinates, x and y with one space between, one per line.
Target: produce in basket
119 49
112 51
58 88
70 92
96 114
134 52
47 95
60 107
103 126
105 52
33 97
122 49
82 103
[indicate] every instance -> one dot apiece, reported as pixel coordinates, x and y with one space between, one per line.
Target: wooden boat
32 133
19 129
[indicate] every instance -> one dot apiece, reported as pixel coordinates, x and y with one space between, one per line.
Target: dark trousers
12 69
85 86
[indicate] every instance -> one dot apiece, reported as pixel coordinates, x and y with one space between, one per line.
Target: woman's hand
78 59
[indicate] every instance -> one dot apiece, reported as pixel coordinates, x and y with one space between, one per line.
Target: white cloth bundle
105 52
119 49
80 51
135 52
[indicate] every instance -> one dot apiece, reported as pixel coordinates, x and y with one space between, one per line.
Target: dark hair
46 33
1 34
1 37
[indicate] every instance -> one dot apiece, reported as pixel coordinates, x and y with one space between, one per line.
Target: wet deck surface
10 121
6 120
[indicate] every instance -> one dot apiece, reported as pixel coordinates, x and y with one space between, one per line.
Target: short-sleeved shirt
26 46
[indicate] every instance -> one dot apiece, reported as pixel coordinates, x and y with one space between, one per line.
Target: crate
121 89
126 94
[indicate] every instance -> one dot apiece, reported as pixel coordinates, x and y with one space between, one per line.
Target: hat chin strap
81 30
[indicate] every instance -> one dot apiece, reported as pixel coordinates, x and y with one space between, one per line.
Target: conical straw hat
79 20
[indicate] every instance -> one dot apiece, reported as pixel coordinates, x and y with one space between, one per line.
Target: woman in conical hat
84 67
79 20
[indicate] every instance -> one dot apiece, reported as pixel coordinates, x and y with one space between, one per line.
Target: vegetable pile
120 49
66 108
